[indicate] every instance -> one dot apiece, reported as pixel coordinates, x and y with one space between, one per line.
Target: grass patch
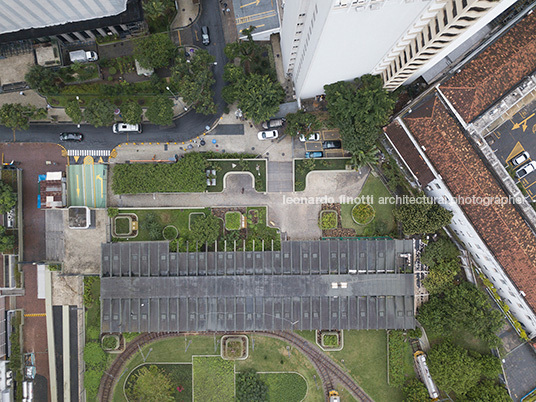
365 356
170 232
328 220
122 226
233 220
213 379
303 166
330 341
288 387
384 222
195 216
240 165
180 376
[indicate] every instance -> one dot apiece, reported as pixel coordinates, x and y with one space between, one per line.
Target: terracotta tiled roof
501 227
405 147
494 71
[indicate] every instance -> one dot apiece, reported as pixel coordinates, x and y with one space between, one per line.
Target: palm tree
154 9
362 158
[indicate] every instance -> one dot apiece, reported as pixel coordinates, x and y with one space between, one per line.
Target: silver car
520 158
525 169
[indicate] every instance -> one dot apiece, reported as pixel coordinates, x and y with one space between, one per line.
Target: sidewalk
187 13
31 97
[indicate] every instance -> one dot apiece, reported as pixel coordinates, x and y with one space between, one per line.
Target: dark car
331 145
204 35
71 137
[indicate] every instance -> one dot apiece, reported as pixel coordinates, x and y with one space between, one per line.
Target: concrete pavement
187 13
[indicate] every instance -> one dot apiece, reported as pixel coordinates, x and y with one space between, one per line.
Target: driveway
280 177
296 214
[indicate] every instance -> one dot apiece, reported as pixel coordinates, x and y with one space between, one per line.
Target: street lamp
174 96
78 100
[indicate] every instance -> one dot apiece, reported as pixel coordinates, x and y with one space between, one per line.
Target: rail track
329 371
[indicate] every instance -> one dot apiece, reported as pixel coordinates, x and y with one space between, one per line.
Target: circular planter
363 214
170 232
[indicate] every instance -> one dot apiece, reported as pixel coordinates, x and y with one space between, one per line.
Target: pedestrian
225 5
242 190
228 10
22 93
223 10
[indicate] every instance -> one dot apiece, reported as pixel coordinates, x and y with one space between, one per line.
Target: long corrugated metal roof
325 284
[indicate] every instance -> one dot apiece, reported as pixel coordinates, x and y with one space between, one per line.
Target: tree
441 276
151 384
452 368
7 242
15 116
8 198
205 230
490 366
486 391
154 9
74 112
359 109
94 356
160 111
415 391
362 158
194 79
92 380
250 388
422 216
301 123
154 51
462 308
42 79
99 112
131 112
443 249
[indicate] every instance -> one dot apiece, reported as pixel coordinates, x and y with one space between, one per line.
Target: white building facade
325 41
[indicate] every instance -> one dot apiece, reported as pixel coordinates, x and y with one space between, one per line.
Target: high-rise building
328 41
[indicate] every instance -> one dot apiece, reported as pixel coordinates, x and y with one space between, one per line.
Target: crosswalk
88 152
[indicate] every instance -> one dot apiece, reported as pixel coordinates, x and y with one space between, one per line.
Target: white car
520 159
267 135
525 169
312 137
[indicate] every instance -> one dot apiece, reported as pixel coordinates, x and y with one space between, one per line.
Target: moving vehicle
273 123
334 396
520 158
331 145
71 137
314 154
82 56
420 359
126 128
204 35
267 135
311 137
525 169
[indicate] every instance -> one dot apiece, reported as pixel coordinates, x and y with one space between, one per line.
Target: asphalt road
188 126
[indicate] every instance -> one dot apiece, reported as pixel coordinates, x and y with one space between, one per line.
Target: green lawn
365 356
180 376
223 167
214 379
384 221
176 217
288 387
233 220
122 225
303 166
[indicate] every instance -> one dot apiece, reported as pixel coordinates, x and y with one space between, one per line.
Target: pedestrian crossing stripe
88 152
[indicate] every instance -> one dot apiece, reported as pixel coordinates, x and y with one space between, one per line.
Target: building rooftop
352 284
501 226
495 71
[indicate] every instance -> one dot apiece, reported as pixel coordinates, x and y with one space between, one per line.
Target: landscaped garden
257 167
302 167
160 382
233 220
288 387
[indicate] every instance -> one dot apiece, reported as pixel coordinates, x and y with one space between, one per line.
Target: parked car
273 123
82 56
71 137
126 128
314 154
331 145
525 169
267 135
204 35
311 137
520 159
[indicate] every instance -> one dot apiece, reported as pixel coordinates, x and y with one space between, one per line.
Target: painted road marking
179 35
76 158
77 187
35 315
98 177
255 17
249 4
88 152
522 123
518 148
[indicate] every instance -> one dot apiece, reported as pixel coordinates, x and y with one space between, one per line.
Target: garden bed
363 214
125 225
234 347
214 379
233 220
180 376
328 220
329 340
170 232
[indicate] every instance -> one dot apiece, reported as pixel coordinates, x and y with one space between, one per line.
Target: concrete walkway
296 214
187 13
32 98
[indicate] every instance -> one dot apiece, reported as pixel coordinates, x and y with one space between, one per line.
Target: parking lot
325 135
515 136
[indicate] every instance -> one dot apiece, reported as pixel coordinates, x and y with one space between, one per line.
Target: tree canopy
301 122
154 9
250 388
42 79
462 308
154 51
423 217
8 198
94 356
205 230
486 391
7 242
151 384
194 79
131 112
16 116
160 111
99 112
74 112
415 391
443 249
359 109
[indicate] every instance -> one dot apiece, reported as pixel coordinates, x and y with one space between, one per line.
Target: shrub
112 70
328 220
94 356
363 214
113 212
91 383
396 357
152 225
330 340
249 387
109 342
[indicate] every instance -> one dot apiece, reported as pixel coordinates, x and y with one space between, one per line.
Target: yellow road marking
518 148
76 158
256 26
101 160
527 187
101 185
255 17
94 186
35 315
522 123
77 187
249 4
179 35
196 37
88 160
